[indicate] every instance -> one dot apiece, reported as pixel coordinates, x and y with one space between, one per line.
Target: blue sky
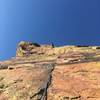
63 22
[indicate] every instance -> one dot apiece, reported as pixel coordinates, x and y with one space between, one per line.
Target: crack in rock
47 84
43 90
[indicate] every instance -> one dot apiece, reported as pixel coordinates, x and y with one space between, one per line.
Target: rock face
45 72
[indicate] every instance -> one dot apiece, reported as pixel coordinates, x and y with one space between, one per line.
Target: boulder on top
28 48
25 47
24 44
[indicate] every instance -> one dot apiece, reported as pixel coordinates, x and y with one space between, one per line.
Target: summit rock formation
45 72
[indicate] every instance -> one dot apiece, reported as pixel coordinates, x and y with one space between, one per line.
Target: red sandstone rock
51 73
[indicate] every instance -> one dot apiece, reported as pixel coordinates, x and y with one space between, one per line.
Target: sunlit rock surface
45 72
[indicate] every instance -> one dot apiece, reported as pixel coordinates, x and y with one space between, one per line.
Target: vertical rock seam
48 83
43 92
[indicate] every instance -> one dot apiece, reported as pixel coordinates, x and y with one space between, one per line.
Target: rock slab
45 72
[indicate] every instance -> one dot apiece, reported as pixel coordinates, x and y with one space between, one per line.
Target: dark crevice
42 94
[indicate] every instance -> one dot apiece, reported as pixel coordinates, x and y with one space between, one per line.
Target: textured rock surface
75 82
45 72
